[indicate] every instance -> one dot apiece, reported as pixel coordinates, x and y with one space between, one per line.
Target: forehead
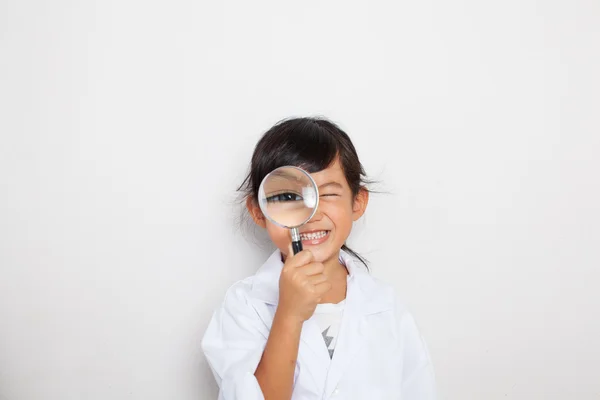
333 173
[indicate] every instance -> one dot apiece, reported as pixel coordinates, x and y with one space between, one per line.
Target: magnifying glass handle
296 241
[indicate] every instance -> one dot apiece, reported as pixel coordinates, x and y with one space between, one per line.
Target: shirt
328 317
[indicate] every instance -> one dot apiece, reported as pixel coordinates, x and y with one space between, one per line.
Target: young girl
315 325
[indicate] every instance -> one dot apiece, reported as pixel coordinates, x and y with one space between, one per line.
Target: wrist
288 321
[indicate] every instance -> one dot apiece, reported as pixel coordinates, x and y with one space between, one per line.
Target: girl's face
329 228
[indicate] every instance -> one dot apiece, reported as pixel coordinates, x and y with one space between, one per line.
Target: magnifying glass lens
288 196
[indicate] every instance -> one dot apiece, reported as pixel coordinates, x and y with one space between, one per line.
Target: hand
301 286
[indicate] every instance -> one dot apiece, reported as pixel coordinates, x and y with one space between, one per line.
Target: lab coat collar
369 296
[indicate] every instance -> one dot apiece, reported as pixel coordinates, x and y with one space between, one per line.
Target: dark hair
311 143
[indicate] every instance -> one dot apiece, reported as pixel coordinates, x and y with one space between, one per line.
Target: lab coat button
336 392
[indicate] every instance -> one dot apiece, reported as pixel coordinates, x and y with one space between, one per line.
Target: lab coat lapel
314 356
363 297
313 339
349 341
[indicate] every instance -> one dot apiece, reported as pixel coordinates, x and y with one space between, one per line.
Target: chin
322 254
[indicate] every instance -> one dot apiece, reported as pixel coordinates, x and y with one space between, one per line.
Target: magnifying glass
288 196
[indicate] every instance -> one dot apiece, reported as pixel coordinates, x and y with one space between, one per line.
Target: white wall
127 125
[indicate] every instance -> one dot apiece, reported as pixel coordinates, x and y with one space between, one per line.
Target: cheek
279 236
339 212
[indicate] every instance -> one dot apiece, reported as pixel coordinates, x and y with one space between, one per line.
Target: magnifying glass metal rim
266 214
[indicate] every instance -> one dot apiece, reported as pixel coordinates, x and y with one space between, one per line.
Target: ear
360 204
255 212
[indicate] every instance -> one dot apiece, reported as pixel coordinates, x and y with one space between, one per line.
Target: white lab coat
380 353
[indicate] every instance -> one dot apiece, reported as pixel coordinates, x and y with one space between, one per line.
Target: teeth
313 235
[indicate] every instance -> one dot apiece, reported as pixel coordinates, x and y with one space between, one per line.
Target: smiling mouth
313 235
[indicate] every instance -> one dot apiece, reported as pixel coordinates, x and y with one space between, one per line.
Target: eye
330 195
284 197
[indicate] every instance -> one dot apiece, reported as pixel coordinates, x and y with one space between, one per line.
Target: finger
302 258
318 278
322 288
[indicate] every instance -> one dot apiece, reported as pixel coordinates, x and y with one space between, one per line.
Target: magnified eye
287 196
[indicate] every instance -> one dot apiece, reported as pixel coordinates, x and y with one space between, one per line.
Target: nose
317 217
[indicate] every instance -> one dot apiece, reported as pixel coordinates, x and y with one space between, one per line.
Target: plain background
126 127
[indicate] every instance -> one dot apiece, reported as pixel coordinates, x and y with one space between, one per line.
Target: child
315 325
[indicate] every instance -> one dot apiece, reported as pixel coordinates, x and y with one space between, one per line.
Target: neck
337 274
334 268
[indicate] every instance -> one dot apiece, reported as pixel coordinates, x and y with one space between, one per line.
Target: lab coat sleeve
233 345
418 377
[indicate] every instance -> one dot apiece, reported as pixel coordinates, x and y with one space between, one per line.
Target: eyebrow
331 184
